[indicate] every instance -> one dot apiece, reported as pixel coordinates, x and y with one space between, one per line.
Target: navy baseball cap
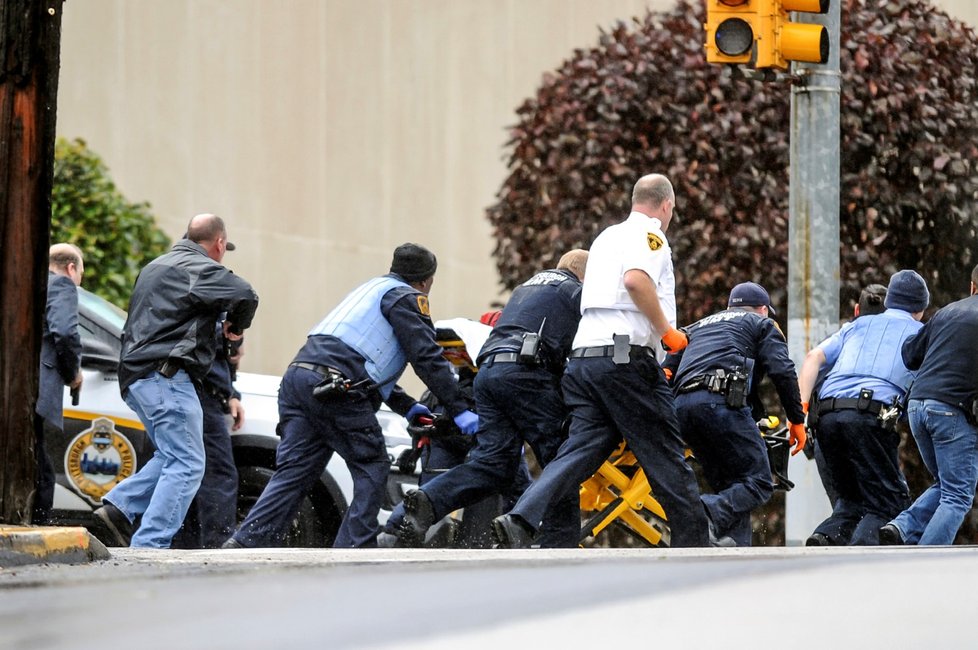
750 294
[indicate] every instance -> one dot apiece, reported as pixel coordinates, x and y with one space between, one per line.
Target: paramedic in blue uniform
716 379
613 385
331 391
517 394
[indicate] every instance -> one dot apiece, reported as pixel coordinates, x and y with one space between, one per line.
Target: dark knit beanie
907 291
414 263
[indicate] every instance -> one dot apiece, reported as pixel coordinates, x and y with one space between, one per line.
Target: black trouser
607 403
865 468
44 481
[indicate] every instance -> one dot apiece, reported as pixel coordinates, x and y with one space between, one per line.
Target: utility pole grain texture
30 47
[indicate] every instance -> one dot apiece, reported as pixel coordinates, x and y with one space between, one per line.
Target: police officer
856 413
517 393
716 379
350 363
613 385
60 364
870 302
213 512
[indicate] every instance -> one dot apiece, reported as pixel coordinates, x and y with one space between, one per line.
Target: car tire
307 530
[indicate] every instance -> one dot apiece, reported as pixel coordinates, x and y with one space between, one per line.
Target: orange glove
674 340
668 373
804 408
797 436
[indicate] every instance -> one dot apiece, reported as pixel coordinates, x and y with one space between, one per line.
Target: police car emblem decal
423 305
655 242
99 458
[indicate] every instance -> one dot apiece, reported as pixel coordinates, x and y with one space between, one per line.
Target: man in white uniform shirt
613 385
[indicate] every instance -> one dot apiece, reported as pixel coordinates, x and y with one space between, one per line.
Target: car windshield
104 311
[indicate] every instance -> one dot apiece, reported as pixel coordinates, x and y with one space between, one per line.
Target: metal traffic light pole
813 238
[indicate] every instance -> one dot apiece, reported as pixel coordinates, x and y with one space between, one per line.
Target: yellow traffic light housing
730 30
760 32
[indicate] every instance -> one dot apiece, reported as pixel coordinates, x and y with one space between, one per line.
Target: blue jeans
162 489
948 445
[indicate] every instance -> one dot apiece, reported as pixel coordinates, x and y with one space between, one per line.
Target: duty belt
851 403
608 351
314 367
712 383
501 357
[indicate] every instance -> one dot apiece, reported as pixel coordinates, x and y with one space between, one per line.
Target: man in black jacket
942 412
60 355
517 394
168 346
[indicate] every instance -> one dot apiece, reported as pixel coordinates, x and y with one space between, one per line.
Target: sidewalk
21 545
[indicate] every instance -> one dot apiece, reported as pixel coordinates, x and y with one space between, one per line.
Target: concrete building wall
326 132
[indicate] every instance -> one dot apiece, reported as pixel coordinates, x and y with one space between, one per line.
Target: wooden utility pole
30 50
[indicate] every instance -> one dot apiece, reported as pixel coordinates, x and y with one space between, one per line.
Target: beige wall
325 131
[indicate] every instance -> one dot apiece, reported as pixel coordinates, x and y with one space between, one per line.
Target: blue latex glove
416 411
468 422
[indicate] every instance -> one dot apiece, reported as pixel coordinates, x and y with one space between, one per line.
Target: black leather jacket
176 301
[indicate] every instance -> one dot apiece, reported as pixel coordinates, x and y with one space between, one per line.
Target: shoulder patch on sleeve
423 305
778 328
655 242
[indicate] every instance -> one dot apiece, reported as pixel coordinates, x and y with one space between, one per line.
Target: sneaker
418 517
112 527
510 531
232 543
818 539
890 535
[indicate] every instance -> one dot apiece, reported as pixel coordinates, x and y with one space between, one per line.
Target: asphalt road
716 598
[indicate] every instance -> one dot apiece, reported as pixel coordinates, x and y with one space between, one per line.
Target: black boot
510 531
418 517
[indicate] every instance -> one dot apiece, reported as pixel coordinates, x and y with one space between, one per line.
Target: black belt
850 403
608 351
315 367
711 383
502 357
169 367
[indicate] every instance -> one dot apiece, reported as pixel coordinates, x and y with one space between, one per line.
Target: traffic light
760 32
731 26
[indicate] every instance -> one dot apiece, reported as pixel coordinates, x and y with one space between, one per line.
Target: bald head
653 196
574 261
209 231
66 259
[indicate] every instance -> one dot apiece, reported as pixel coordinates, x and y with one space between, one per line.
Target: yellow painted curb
39 544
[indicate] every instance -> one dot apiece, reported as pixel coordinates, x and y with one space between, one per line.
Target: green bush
117 237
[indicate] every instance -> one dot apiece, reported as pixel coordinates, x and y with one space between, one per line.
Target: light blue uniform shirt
866 354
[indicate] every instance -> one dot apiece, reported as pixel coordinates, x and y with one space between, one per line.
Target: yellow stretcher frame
619 492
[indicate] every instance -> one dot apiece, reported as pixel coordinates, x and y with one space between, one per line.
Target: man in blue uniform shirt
350 363
716 379
856 414
517 394
60 364
614 386
943 413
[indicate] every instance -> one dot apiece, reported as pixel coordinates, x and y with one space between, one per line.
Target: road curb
20 545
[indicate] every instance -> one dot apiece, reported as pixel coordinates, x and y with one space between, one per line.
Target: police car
104 442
